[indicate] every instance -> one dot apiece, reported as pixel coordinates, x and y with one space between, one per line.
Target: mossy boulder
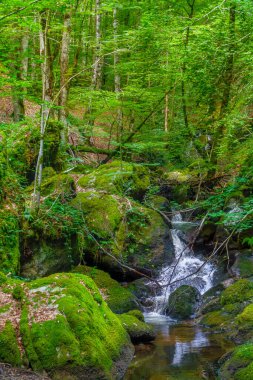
239 365
139 331
240 291
243 266
183 302
63 326
45 256
60 186
9 241
118 298
135 235
119 177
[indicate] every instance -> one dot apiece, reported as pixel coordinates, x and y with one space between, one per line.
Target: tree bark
98 65
64 66
47 93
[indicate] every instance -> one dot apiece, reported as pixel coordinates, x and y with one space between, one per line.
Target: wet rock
138 331
238 364
183 302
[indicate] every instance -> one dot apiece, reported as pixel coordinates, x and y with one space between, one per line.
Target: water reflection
180 352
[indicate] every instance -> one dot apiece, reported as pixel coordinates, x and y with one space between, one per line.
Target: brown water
180 352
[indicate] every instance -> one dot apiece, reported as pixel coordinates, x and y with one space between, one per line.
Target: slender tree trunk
186 43
64 65
98 64
47 92
117 78
228 76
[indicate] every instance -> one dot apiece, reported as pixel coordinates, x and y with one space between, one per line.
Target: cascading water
186 269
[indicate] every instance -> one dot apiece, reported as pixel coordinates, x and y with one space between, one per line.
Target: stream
181 351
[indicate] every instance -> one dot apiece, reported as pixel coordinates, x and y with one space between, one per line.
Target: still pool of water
180 352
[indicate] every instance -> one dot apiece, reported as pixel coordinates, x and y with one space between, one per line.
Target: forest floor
9 373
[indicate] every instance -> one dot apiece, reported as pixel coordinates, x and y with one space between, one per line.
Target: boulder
238 364
139 331
119 177
62 325
118 298
132 234
183 302
243 266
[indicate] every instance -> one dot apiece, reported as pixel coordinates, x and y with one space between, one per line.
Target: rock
238 364
137 314
45 256
183 302
243 266
240 291
119 177
135 235
118 298
63 326
139 331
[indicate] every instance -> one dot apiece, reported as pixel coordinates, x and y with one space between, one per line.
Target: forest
126 189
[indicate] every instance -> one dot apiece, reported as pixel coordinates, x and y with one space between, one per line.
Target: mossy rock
24 148
137 314
45 256
240 291
183 302
243 266
65 328
217 319
61 186
9 241
139 331
119 177
133 234
239 366
119 299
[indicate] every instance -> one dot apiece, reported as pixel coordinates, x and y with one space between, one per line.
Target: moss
239 365
23 144
138 330
61 185
135 234
102 212
18 293
245 319
216 319
9 242
240 291
25 331
54 343
137 314
183 302
119 299
245 373
65 325
3 278
9 350
119 177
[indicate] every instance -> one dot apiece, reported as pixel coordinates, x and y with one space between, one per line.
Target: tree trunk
64 65
97 71
228 76
186 43
47 92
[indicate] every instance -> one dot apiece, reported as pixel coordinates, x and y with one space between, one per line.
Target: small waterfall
186 262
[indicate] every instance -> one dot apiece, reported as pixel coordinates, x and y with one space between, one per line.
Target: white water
183 269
